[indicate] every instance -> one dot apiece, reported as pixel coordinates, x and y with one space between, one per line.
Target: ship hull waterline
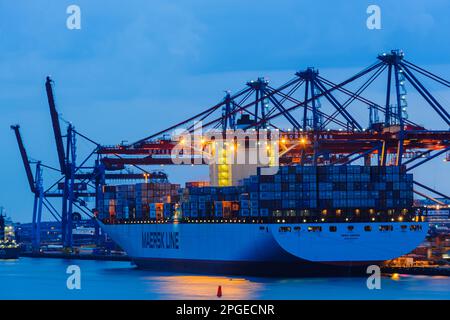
265 249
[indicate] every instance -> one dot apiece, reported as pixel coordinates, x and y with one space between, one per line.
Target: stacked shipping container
125 201
209 202
106 203
295 191
135 201
304 191
148 193
197 184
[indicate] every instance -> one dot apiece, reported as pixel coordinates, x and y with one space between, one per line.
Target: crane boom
23 153
55 123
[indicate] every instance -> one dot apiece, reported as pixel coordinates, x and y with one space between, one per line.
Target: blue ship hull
265 249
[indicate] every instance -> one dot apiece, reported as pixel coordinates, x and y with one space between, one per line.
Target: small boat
9 250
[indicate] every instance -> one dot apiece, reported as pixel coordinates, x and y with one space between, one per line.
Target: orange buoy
219 291
395 276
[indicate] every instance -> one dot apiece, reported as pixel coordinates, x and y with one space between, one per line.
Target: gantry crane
315 136
77 182
35 184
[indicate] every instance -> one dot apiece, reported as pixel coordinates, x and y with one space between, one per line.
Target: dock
423 271
72 256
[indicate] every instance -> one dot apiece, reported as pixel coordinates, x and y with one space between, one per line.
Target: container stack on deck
209 202
307 191
295 191
142 200
340 190
107 202
154 193
125 201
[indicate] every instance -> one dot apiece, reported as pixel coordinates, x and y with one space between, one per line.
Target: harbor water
32 278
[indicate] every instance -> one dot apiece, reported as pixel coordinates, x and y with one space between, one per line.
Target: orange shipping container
112 208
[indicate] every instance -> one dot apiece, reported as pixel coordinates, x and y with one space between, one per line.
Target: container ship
303 220
317 212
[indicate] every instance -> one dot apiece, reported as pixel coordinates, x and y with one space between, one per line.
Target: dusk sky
139 66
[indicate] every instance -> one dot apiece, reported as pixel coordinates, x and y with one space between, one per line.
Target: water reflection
46 279
202 287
